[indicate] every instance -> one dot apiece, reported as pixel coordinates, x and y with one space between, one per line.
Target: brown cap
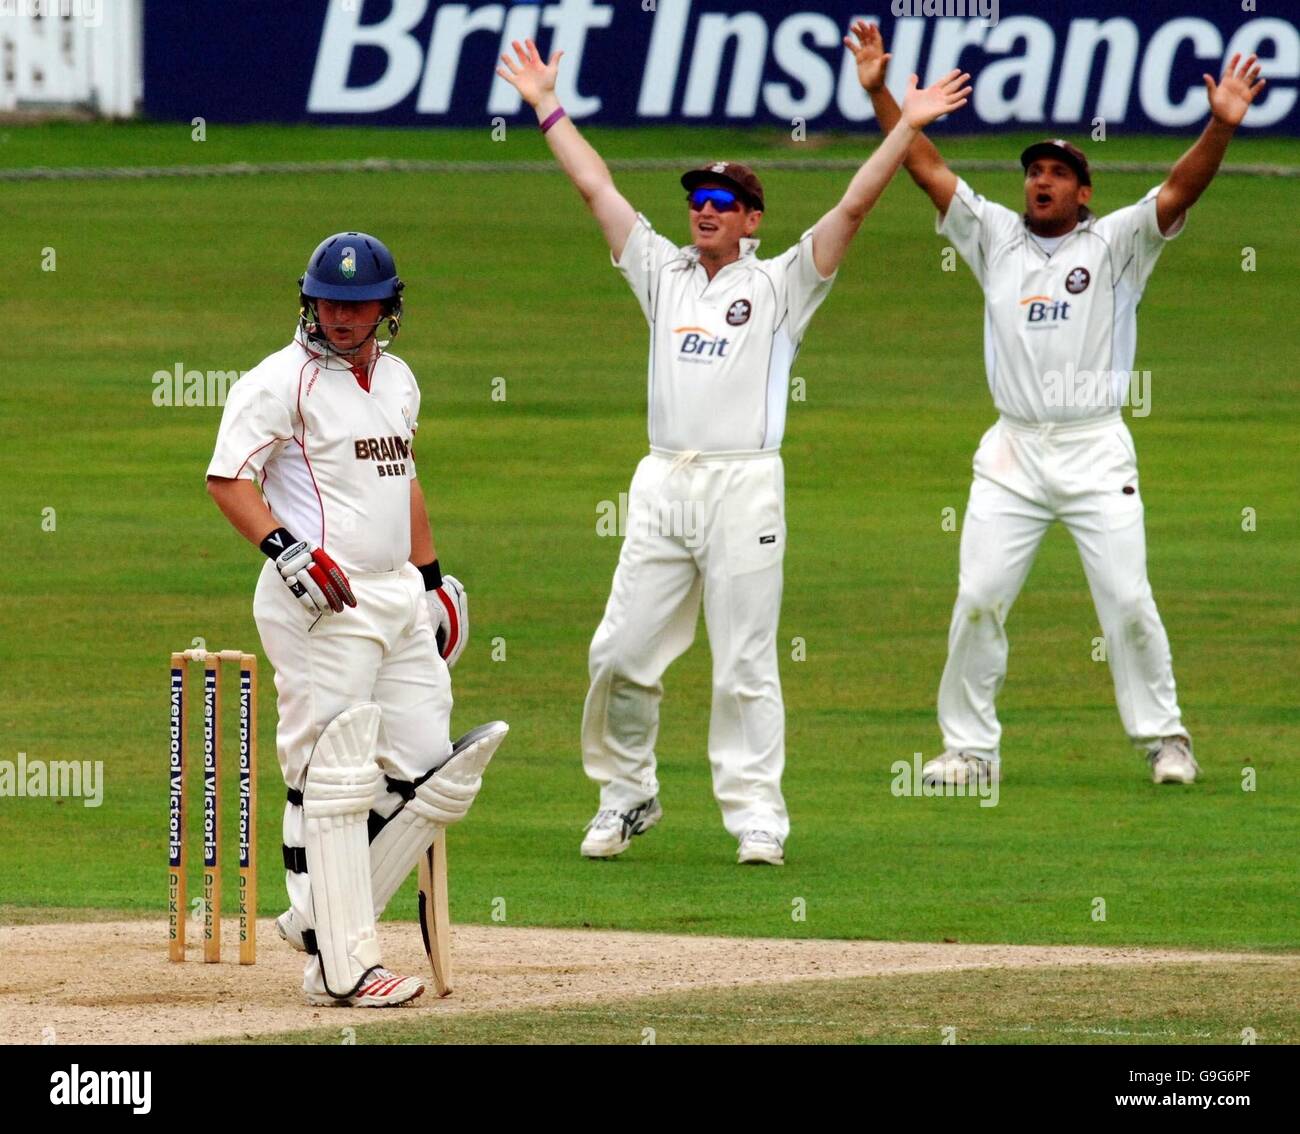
1062 150
733 173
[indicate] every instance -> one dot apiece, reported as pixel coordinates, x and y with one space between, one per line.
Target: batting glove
449 610
314 578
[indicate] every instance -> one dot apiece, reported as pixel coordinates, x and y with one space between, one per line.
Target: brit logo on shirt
738 313
1044 312
1077 281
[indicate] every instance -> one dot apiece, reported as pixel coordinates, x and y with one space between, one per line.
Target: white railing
56 54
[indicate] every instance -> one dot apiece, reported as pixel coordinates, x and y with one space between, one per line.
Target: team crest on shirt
1077 281
348 265
738 313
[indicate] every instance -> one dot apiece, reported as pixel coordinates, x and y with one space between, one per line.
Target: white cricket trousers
382 650
699 526
1027 475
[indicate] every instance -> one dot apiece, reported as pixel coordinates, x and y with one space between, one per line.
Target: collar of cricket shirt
748 246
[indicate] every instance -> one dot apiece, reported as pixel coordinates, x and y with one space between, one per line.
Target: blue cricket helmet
350 266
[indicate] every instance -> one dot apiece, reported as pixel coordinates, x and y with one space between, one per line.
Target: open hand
869 51
921 106
531 77
1232 95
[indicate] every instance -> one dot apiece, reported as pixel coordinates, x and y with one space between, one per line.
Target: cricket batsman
1061 291
725 327
314 466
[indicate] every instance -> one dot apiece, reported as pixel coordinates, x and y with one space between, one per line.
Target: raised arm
923 162
1230 98
535 82
834 232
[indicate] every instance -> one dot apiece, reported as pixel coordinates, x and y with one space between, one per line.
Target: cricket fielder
315 451
1061 290
706 510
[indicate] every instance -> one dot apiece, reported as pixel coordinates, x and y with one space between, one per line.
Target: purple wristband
552 118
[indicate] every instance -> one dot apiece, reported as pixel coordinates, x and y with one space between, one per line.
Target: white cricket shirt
1060 326
333 459
720 349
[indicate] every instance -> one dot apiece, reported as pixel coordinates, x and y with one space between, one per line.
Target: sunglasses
723 200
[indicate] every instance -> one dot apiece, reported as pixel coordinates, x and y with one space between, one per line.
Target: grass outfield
508 278
1138 1004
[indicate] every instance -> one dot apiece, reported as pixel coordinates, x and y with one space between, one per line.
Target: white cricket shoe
1172 761
611 831
957 767
286 925
760 847
381 988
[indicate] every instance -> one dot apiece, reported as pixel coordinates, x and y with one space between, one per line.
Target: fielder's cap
1061 150
733 173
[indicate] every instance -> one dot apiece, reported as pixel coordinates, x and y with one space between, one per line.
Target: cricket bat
435 924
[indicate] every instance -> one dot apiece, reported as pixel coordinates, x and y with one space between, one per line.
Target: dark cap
1061 150
740 177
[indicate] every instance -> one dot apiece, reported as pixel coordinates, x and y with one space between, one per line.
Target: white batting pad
342 778
441 800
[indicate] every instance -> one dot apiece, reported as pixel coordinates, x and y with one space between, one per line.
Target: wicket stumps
177 857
